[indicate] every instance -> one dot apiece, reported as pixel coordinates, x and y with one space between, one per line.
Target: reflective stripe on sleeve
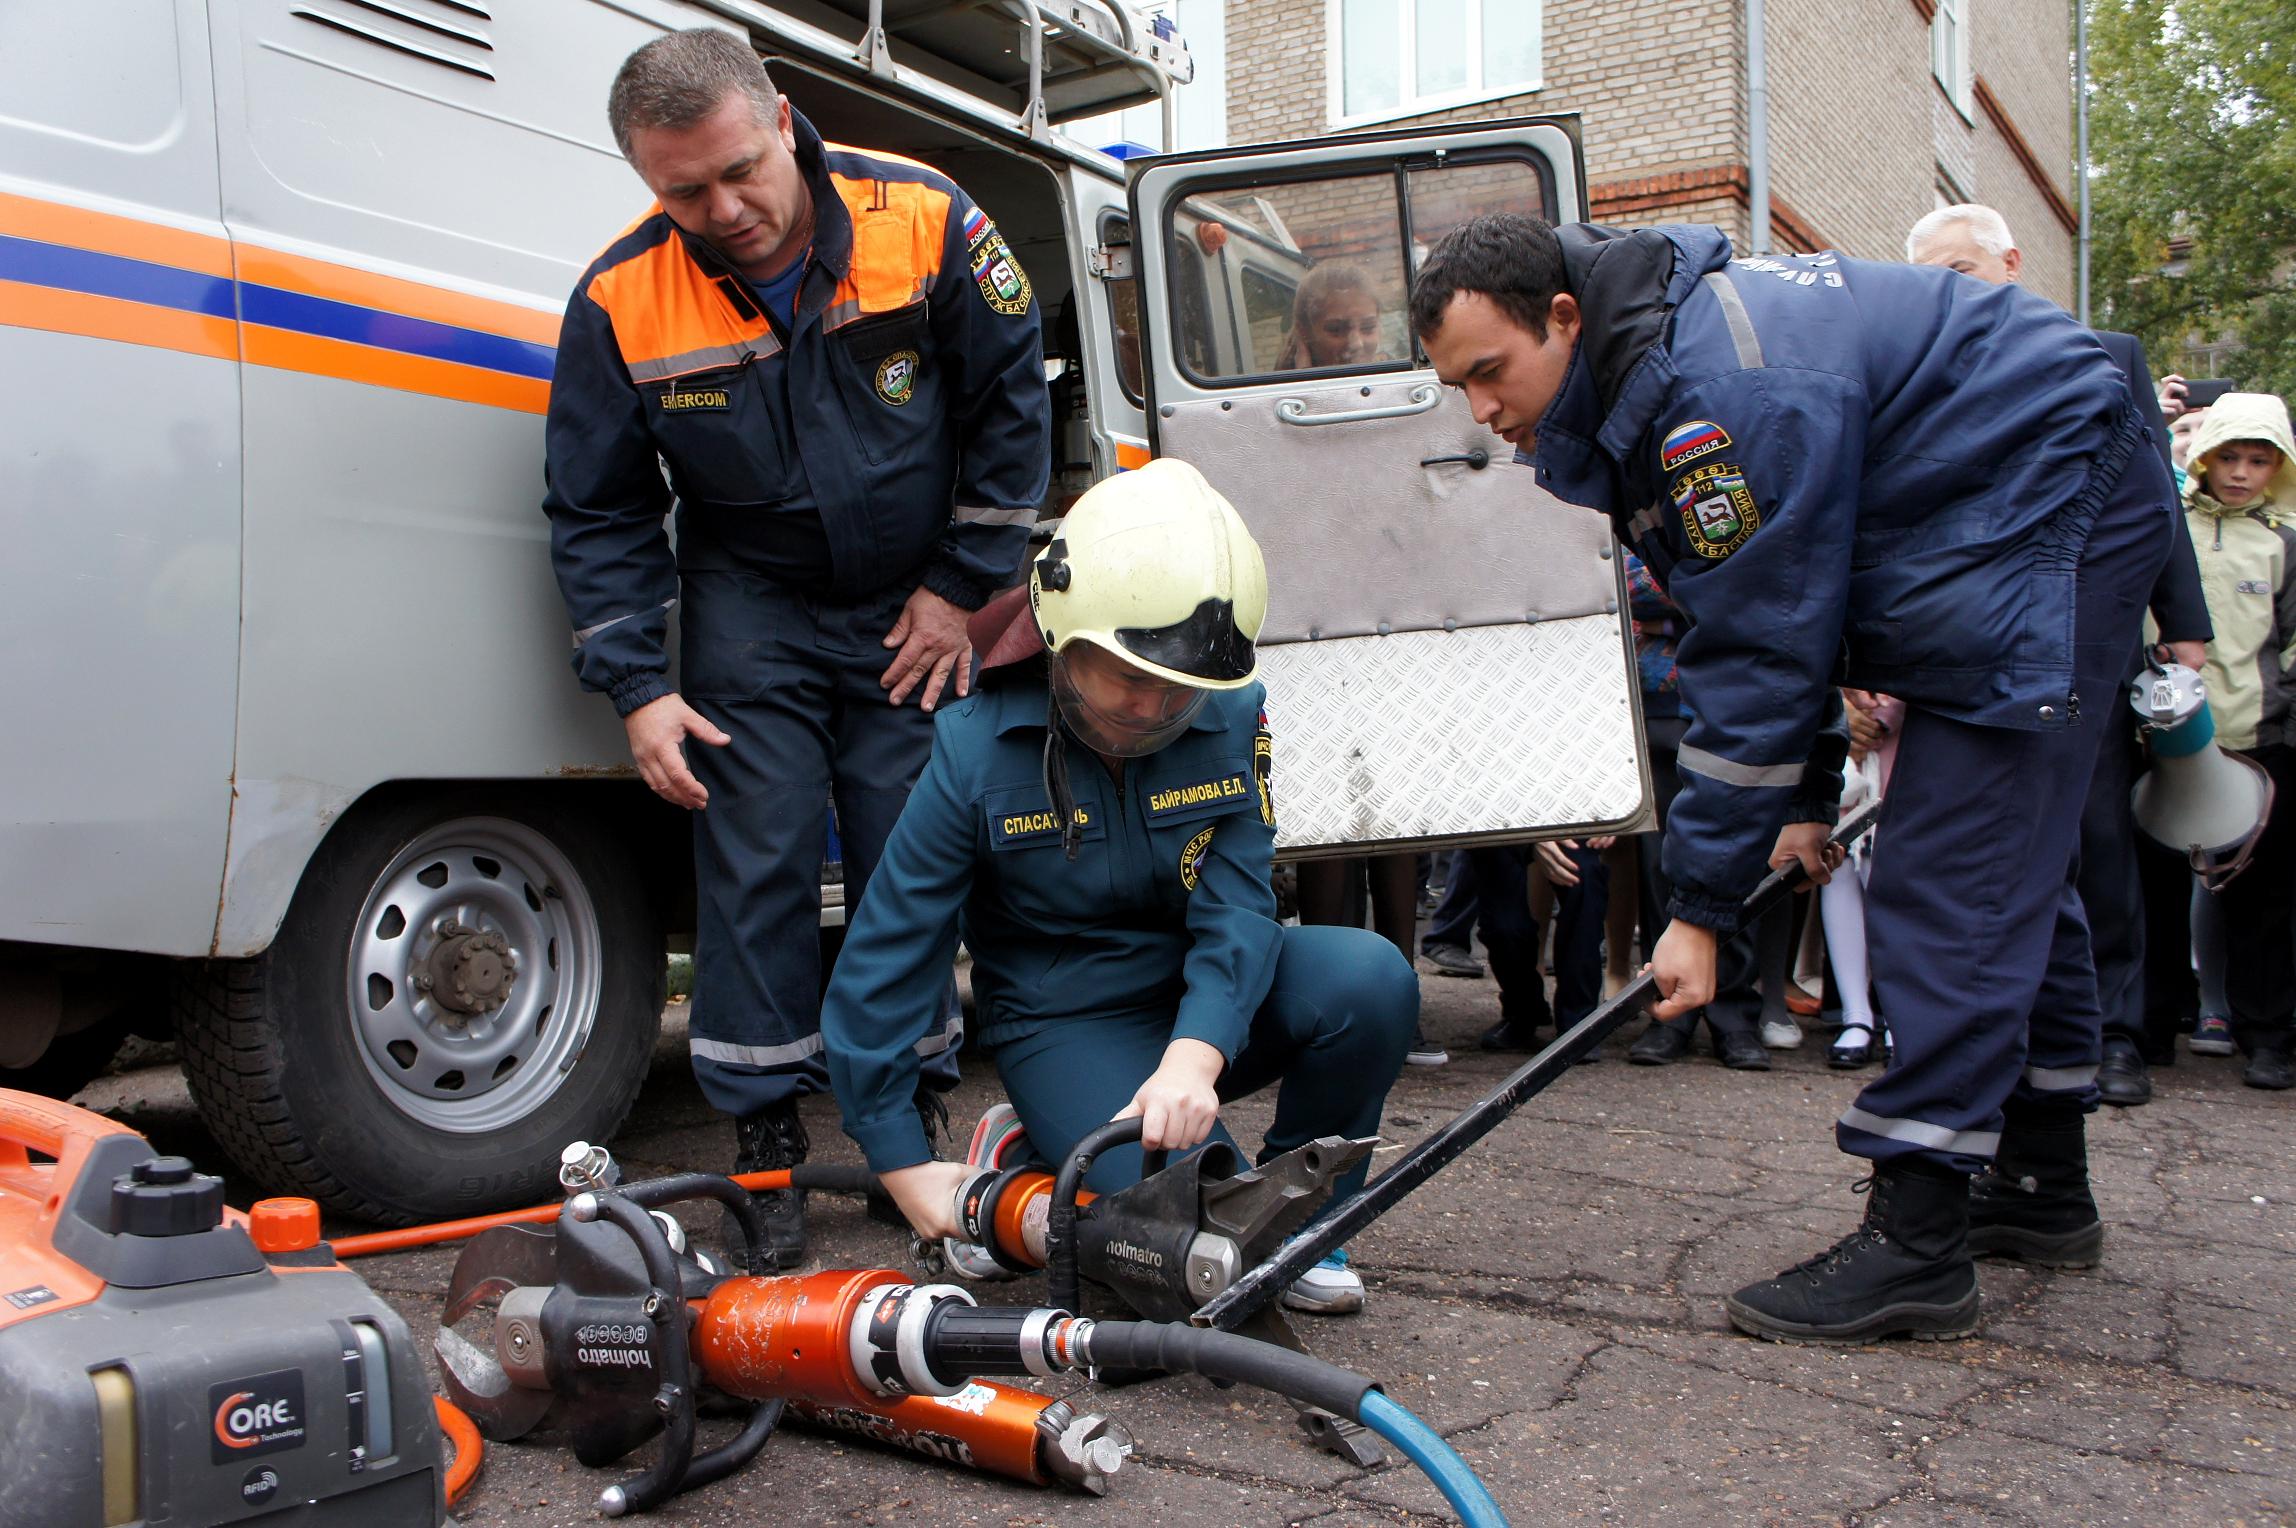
2059 1079
585 633
1714 767
968 514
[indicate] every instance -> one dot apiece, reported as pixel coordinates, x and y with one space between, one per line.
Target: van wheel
458 990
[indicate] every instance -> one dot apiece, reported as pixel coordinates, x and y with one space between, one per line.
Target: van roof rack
1027 63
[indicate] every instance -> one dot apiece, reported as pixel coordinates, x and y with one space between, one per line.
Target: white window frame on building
1402 43
1949 56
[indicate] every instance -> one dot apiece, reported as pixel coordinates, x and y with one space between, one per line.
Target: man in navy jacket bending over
1888 477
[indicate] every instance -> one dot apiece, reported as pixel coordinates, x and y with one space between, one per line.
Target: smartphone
2202 392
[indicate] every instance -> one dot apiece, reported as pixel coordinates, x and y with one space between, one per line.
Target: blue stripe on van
385 330
99 275
166 286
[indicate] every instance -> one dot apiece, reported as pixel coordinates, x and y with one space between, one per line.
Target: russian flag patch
1688 442
976 224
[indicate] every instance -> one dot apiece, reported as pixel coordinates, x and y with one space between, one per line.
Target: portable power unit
165 1360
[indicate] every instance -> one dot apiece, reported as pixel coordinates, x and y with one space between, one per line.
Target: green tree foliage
2192 133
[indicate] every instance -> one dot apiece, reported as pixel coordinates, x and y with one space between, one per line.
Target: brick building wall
1860 135
2023 52
1850 120
1656 81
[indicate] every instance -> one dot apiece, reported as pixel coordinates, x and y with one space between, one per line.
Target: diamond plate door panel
1527 730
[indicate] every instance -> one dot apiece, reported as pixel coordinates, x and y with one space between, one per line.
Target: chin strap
1056 778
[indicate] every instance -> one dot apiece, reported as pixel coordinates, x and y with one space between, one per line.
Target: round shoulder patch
1192 857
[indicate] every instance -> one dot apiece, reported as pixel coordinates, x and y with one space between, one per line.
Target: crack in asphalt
1334 1498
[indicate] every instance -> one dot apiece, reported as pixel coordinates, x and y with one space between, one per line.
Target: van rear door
1446 652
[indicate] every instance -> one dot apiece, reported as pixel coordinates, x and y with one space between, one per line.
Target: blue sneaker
2212 1036
1330 1288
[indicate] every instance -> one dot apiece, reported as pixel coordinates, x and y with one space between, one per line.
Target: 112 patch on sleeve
1717 509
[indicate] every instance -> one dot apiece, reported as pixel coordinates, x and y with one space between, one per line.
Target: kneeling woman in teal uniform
1098 826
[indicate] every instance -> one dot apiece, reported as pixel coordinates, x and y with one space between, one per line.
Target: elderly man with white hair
2142 999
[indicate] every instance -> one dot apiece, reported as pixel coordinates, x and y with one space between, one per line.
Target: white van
289 745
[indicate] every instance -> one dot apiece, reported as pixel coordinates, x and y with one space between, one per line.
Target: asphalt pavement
1551 1303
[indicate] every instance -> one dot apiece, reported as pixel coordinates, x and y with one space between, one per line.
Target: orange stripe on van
1129 456
107 233
113 318
342 283
289 351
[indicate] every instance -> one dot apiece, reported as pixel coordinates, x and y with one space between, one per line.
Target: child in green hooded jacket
2240 500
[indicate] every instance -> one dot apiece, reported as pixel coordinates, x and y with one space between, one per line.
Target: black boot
2034 1203
2269 1065
1905 1271
771 1140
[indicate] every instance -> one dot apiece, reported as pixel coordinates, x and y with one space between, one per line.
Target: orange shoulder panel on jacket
898 230
666 309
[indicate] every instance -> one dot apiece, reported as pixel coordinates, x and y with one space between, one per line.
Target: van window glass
1444 196
1124 313
1297 275
1278 276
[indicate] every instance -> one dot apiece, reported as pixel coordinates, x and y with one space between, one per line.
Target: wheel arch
279 827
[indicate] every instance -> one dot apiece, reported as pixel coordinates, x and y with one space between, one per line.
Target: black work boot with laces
771 1140
2034 1203
1905 1271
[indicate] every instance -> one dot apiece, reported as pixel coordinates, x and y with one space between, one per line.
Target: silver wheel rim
474 1073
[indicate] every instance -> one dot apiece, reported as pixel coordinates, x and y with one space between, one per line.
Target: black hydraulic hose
1178 1348
835 1178
1060 1217
674 1397
678 1187
731 1455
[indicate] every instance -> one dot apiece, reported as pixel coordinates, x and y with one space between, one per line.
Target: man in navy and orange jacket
838 360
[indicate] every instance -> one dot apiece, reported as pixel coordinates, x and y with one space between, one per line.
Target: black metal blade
1244 1298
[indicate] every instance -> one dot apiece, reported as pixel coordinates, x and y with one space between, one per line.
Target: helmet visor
1208 644
1116 709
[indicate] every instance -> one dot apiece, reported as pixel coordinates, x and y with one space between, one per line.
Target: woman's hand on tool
1683 967
1179 1103
927 1195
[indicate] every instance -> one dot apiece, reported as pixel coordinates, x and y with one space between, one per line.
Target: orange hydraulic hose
458 1230
469 1448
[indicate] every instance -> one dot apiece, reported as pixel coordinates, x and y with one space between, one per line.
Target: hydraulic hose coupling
1001 1215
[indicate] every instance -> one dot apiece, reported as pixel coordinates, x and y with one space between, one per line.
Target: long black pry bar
1250 1294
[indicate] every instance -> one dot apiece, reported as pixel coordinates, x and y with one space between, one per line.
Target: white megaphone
2204 803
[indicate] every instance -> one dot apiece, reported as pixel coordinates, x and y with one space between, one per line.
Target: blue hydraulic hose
1436 1459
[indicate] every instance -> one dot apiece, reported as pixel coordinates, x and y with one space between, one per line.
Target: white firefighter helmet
1154 569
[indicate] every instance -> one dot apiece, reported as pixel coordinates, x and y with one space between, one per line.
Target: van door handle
1423 397
1476 459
